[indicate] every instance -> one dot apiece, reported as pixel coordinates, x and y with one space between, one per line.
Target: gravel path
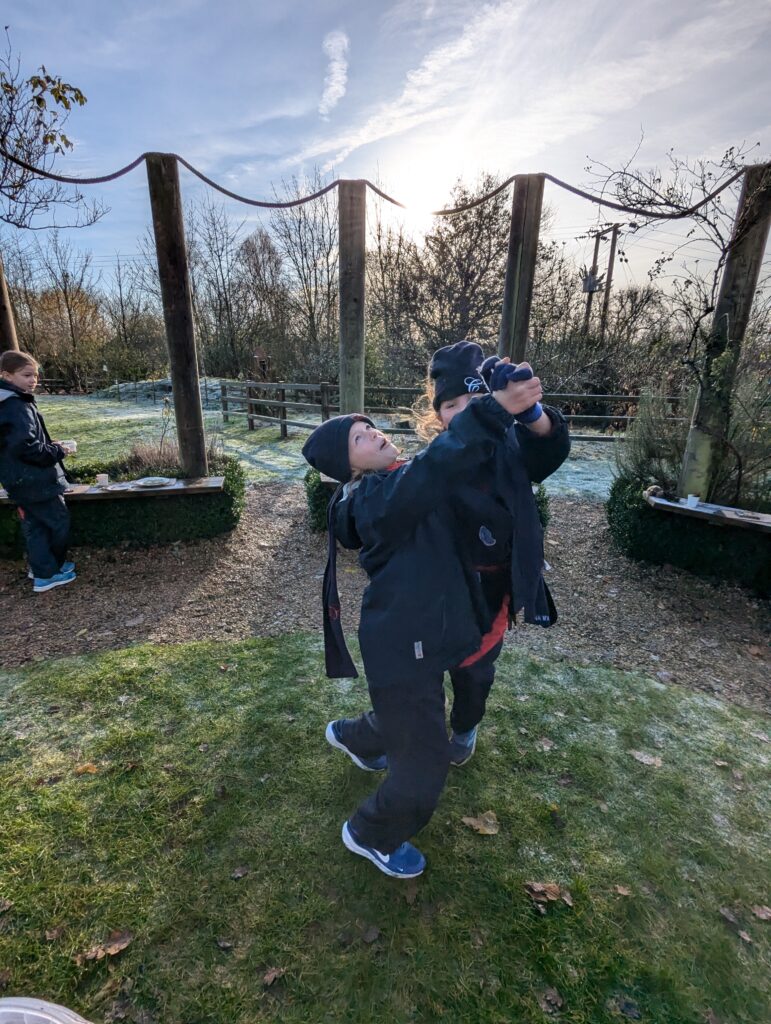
265 579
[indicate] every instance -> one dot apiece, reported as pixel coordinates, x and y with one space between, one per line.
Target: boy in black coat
31 472
424 610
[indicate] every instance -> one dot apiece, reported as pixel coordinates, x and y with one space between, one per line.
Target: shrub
139 522
722 552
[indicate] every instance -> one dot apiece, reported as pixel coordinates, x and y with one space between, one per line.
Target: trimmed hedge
139 522
716 552
318 495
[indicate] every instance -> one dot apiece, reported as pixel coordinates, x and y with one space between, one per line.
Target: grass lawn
135 784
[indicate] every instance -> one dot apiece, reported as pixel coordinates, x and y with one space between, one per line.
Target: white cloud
335 46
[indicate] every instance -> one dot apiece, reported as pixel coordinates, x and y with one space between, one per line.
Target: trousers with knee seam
45 526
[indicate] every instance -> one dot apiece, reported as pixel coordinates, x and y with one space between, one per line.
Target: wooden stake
352 204
166 205
711 415
520 266
8 339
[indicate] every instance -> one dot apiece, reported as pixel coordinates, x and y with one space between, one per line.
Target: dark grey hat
327 447
454 370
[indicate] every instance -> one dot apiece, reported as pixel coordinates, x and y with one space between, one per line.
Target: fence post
520 265
117 384
351 209
224 402
324 400
166 205
249 406
282 413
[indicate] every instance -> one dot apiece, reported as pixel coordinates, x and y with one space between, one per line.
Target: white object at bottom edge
18 1010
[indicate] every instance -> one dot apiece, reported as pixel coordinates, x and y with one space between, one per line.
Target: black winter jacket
424 607
28 457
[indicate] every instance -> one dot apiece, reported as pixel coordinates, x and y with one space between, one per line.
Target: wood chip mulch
265 579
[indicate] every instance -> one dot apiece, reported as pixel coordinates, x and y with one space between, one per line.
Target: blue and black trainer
369 764
60 579
462 746
67 567
406 861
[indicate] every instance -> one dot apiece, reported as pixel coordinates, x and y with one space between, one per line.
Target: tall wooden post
520 266
608 282
593 279
351 205
166 204
712 412
8 338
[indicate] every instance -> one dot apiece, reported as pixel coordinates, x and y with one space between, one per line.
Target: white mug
102 479
692 500
69 446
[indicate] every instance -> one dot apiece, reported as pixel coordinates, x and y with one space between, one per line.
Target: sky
412 94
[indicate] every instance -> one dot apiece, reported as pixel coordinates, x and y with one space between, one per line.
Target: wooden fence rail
267 402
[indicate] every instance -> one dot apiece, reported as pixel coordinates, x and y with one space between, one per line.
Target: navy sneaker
462 746
406 861
61 579
369 764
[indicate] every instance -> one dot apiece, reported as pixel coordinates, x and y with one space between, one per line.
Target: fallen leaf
52 934
543 893
224 945
117 942
240 872
549 1000
745 937
755 651
712 1017
622 890
5 905
410 891
5 977
565 780
86 769
486 824
371 934
82 632
566 897
136 621
729 917
272 974
626 1007
721 764
649 759
764 913
544 744
760 736
203 747
604 808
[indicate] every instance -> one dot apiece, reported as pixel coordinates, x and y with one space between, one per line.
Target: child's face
25 379
451 408
369 448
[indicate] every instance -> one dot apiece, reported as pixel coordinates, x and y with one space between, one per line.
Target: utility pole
608 282
592 280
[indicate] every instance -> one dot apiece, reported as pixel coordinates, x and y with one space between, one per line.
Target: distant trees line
270 296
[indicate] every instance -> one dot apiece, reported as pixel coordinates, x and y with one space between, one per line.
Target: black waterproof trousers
45 526
407 723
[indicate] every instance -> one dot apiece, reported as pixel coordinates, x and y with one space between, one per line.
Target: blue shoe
406 861
462 746
61 579
369 764
67 567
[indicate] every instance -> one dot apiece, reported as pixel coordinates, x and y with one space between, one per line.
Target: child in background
458 374
31 471
423 612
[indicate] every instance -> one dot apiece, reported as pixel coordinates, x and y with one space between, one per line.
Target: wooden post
8 339
351 205
590 293
224 401
520 266
324 400
705 447
608 281
250 402
166 204
282 414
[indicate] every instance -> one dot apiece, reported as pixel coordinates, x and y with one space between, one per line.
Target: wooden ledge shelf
85 492
717 515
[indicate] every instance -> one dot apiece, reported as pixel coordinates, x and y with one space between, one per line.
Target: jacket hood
8 390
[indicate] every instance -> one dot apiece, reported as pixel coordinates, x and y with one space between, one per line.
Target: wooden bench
86 492
717 515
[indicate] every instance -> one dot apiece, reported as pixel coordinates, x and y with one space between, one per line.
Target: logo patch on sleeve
486 537
418 649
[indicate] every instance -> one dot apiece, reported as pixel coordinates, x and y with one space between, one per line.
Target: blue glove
496 377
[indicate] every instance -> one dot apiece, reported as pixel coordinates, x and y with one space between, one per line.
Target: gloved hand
497 374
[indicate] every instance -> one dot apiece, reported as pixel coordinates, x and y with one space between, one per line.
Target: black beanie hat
454 370
327 447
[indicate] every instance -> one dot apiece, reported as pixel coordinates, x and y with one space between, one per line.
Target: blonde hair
427 422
